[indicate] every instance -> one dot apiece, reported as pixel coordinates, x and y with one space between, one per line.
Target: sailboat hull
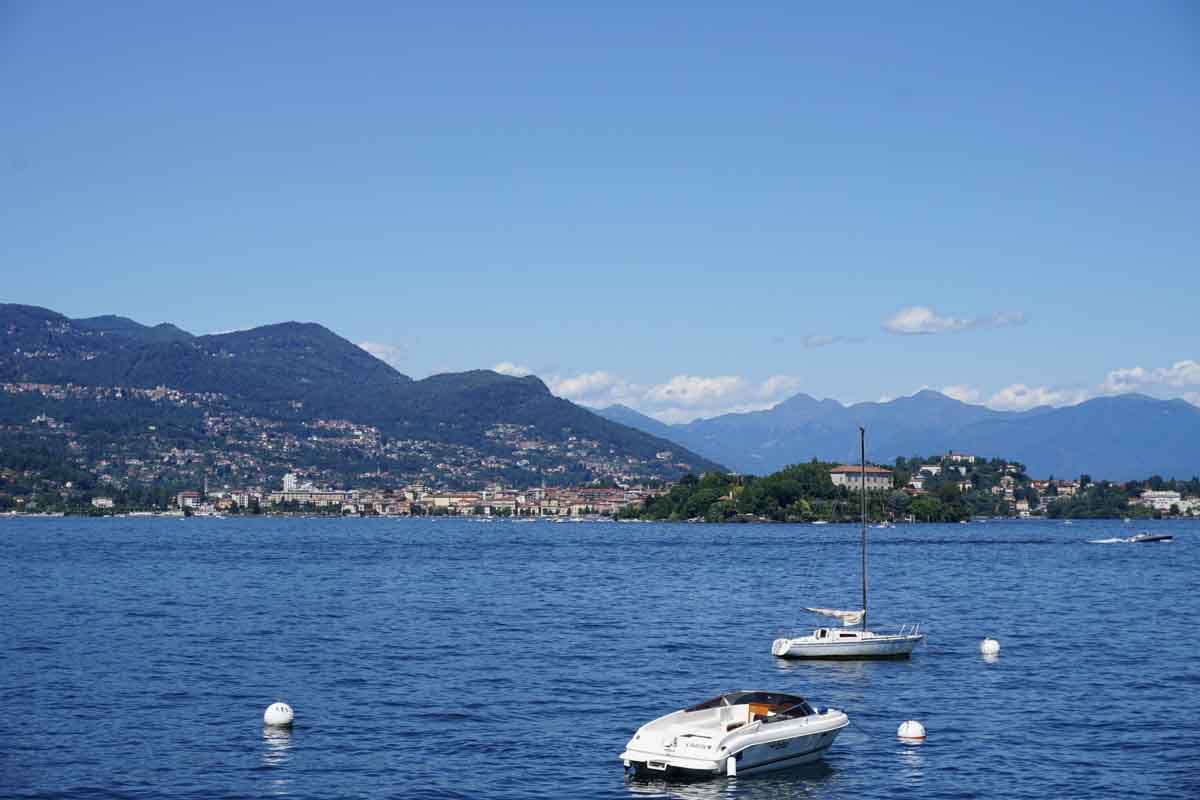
867 645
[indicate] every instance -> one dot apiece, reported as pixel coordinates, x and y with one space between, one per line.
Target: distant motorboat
734 734
1144 536
820 522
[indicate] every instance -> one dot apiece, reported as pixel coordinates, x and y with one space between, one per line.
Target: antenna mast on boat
862 445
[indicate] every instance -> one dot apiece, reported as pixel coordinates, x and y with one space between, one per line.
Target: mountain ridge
292 372
1117 437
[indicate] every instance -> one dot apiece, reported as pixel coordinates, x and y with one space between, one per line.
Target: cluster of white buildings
495 500
1167 501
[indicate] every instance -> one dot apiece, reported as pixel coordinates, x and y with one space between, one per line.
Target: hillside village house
1161 501
187 499
849 476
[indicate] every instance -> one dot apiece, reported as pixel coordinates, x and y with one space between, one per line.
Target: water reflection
832 667
804 781
277 751
912 759
991 658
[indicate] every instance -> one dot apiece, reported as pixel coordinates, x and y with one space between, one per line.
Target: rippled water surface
440 658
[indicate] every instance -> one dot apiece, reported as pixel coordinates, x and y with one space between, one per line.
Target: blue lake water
447 658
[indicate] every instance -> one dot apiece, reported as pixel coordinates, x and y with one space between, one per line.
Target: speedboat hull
753 759
868 646
732 740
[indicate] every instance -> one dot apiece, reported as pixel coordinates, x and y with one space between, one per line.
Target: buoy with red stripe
911 731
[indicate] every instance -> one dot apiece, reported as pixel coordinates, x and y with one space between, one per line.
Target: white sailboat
850 642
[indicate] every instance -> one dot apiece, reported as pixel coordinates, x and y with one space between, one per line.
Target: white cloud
693 390
593 388
509 368
917 320
1002 318
825 341
392 354
1130 379
777 385
1019 397
962 392
682 398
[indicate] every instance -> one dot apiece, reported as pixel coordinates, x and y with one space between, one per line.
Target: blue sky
690 210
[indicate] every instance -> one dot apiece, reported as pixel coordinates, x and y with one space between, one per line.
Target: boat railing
907 629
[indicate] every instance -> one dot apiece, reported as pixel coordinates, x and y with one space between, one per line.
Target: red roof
845 468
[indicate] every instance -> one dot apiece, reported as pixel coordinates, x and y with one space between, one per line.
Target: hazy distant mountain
1118 438
636 419
294 371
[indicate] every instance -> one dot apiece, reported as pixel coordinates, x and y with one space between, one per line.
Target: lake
458 658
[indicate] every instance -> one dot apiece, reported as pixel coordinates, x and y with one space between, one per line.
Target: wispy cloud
392 354
509 368
922 320
1130 379
1019 397
962 392
681 398
825 341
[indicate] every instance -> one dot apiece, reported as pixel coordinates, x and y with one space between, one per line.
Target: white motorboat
845 642
1144 536
734 734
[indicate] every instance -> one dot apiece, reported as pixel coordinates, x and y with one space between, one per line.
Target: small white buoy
278 714
910 729
989 647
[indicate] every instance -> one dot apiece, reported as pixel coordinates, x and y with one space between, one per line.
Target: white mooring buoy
278 714
989 647
911 730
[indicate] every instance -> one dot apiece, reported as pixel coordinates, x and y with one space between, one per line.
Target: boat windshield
779 703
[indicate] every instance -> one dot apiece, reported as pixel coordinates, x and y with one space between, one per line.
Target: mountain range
293 372
1118 438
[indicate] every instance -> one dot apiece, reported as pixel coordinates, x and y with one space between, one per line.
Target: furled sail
848 617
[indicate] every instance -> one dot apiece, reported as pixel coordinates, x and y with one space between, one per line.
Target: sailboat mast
862 445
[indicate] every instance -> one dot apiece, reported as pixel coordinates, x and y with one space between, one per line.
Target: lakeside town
124 442
950 487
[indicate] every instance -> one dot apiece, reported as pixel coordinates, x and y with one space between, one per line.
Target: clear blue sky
649 198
